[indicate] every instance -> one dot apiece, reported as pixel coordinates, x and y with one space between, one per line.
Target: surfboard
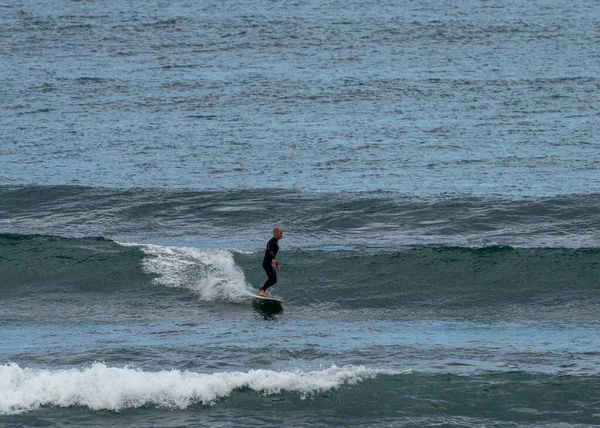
255 295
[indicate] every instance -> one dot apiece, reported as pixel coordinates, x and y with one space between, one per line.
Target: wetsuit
270 254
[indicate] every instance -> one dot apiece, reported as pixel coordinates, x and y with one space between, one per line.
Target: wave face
431 282
447 282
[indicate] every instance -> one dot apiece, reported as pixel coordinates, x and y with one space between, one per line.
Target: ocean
435 167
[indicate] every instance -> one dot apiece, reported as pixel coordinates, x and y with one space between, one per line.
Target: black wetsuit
270 254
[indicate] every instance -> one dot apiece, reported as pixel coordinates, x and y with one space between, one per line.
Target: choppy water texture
418 97
434 166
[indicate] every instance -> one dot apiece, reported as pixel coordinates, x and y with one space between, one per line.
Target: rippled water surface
434 165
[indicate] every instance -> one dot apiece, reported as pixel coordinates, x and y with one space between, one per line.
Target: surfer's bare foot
261 292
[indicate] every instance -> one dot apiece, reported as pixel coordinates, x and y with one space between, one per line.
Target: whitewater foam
211 274
100 387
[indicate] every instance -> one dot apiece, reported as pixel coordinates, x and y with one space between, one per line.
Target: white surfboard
269 298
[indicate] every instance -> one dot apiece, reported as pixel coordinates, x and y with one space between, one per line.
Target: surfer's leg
272 278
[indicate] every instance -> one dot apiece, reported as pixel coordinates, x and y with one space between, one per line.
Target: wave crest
212 275
100 387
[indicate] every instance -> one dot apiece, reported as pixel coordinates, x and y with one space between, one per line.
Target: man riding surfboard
270 263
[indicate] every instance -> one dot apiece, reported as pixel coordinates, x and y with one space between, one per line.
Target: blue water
435 167
470 348
471 97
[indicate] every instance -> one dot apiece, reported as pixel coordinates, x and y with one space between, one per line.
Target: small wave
235 218
100 387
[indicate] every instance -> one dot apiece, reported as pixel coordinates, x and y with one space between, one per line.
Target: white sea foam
99 387
211 274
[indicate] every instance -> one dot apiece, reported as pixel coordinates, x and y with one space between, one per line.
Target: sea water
434 165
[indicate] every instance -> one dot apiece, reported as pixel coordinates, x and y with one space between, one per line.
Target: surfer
270 264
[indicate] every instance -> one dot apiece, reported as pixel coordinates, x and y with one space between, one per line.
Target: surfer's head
278 233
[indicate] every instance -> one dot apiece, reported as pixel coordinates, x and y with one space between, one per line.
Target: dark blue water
435 167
